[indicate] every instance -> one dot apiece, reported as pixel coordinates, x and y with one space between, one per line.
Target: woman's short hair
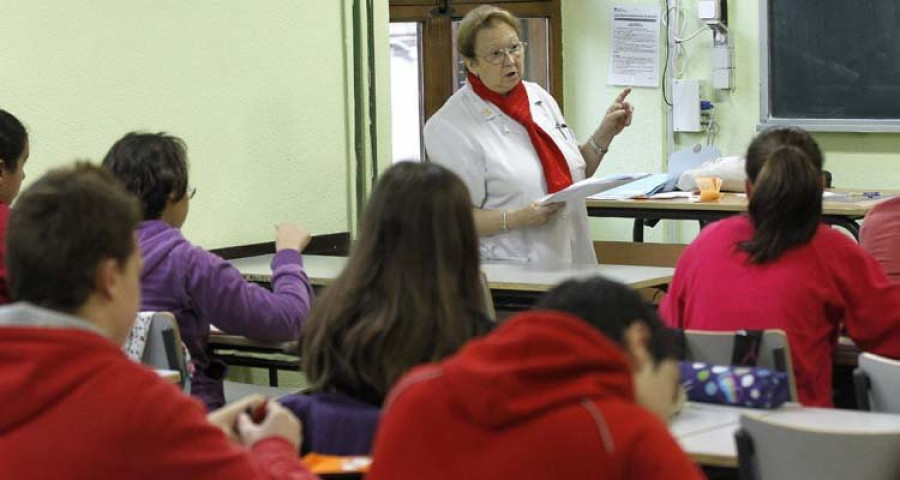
153 167
13 138
410 292
62 227
611 308
480 18
784 165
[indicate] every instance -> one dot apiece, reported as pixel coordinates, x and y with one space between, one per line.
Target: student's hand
226 417
534 215
278 422
617 117
291 236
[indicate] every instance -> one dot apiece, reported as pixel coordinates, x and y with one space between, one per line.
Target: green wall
260 95
857 160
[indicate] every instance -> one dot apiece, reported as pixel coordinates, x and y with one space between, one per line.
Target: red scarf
516 105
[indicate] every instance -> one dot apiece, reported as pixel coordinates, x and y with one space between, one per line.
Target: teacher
506 138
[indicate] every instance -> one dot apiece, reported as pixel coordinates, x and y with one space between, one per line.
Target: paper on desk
589 186
642 188
670 195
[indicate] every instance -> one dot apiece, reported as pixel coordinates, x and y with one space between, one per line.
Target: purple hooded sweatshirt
200 289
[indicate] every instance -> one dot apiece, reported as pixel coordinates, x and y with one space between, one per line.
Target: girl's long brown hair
410 292
784 166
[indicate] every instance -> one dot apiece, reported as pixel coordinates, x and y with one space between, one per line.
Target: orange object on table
331 464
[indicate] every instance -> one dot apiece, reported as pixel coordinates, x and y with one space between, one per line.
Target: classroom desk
842 212
502 276
706 432
513 282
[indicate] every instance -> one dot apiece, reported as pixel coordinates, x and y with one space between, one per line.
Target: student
410 294
577 388
13 155
200 288
880 236
75 406
780 267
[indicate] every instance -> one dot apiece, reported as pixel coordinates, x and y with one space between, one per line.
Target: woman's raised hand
617 117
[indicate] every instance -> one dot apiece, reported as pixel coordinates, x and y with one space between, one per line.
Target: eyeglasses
191 191
498 56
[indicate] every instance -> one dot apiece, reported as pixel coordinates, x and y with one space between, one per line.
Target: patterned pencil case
752 387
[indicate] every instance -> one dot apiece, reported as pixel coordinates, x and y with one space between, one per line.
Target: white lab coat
493 155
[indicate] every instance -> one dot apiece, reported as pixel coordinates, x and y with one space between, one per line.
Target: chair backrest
770 451
877 382
717 348
163 349
488 299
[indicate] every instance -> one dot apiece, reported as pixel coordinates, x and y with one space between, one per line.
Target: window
424 59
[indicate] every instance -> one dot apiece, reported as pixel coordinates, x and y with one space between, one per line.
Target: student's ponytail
785 169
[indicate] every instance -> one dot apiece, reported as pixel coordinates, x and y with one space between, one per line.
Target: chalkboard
831 64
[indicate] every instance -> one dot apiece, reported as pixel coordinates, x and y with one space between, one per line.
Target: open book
588 187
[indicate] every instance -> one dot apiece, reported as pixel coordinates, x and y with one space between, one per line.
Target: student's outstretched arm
222 297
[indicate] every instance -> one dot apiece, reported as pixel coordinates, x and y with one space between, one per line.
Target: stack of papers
642 188
591 186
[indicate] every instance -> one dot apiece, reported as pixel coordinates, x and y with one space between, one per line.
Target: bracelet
505 227
597 149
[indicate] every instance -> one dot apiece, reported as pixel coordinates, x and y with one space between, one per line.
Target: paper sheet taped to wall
634 56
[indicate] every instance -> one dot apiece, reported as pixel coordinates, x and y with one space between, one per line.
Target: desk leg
273 377
637 234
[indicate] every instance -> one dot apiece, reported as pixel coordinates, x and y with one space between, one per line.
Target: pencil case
752 387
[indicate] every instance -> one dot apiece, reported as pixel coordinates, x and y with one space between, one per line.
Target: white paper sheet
635 46
589 186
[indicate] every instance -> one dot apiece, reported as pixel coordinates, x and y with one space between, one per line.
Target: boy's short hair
61 228
611 308
153 167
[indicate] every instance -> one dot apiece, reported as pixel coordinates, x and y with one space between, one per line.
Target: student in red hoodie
13 155
578 388
781 267
880 236
75 406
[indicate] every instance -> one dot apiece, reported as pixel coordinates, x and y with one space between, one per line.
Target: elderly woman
506 138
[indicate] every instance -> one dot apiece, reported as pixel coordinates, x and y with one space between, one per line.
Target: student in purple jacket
410 294
200 288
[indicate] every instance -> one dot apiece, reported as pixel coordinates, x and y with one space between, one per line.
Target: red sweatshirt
545 396
75 407
808 292
880 236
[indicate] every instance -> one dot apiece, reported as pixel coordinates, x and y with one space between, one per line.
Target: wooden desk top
523 277
855 207
706 432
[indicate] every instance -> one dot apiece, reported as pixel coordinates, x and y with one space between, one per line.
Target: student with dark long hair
13 155
577 388
409 294
781 267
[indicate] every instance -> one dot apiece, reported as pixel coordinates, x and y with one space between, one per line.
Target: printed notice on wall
635 46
